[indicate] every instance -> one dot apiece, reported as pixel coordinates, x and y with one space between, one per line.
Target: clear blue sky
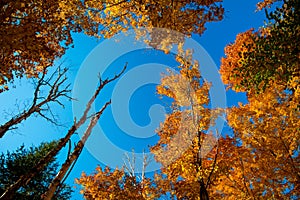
239 17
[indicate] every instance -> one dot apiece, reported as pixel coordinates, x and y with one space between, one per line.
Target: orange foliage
236 55
266 3
108 184
34 34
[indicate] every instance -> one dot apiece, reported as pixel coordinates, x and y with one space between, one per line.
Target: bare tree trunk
75 154
8 193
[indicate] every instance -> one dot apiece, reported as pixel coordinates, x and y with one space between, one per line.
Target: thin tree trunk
75 154
24 179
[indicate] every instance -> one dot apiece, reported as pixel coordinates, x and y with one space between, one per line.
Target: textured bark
63 141
73 157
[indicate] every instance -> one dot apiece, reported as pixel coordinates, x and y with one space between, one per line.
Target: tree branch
8 193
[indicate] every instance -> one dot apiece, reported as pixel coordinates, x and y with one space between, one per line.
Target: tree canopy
259 58
258 157
35 33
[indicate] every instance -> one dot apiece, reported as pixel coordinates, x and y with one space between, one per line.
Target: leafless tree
41 105
62 142
130 166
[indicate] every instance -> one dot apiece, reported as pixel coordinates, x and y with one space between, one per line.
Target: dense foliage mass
257 59
260 158
35 33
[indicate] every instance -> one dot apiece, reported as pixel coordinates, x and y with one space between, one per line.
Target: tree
34 34
41 105
184 147
120 184
23 179
187 17
265 64
268 127
265 3
19 162
257 59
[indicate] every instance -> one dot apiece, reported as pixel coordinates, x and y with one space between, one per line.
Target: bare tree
73 157
130 166
62 142
41 104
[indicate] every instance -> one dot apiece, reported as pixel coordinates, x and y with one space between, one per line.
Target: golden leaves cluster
184 17
116 184
268 127
236 55
258 58
34 34
184 134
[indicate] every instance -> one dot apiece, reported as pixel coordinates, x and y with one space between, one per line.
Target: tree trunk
75 154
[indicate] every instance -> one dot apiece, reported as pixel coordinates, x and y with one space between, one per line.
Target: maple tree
185 17
267 127
117 184
256 59
265 4
124 183
34 34
184 140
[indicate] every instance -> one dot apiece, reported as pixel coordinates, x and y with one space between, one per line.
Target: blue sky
239 17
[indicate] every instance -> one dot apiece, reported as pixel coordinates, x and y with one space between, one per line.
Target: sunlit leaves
265 4
256 59
269 127
186 149
116 184
34 34
185 17
266 65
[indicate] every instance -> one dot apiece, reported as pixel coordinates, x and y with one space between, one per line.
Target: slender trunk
75 154
24 179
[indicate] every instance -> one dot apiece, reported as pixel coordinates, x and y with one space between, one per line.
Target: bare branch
37 106
131 162
74 156
62 142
